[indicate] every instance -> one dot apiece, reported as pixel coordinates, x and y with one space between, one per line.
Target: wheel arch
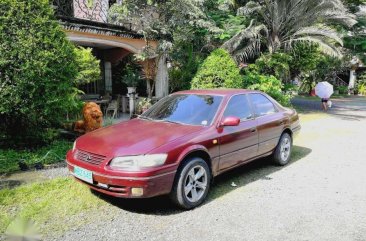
288 131
195 151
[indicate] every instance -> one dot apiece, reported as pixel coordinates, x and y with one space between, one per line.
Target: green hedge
37 73
218 70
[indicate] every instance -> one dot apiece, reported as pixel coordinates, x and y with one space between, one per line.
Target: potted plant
143 105
131 77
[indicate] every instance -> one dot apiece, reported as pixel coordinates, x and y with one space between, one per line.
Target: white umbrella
324 89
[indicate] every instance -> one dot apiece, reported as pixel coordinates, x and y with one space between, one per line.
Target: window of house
262 105
238 106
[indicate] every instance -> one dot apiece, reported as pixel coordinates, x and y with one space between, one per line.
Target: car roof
223 92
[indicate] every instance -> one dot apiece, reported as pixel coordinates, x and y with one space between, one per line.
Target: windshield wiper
144 117
174 122
157 120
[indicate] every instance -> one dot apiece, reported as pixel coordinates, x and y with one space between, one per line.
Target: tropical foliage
88 66
37 72
185 65
355 40
218 70
362 84
170 22
269 84
131 75
276 64
280 24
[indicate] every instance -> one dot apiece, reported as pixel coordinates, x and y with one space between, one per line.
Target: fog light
137 191
102 185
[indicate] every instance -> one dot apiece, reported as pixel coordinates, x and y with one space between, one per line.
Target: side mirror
230 121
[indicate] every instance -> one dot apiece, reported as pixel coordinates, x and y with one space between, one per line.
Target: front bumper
121 186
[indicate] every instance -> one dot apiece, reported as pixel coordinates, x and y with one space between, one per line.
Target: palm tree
283 23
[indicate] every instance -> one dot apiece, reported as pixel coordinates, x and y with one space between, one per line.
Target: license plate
83 174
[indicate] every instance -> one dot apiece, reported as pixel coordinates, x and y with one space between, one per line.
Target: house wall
95 10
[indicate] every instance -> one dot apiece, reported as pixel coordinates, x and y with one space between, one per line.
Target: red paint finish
228 143
230 121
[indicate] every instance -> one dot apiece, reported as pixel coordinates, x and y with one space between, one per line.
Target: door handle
281 122
253 130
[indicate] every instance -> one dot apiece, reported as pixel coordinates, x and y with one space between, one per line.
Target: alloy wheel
195 183
285 148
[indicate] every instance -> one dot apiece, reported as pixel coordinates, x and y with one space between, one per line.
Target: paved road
348 107
320 195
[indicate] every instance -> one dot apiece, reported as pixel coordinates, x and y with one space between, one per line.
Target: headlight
136 162
74 146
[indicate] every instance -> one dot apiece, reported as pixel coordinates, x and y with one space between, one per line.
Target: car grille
89 157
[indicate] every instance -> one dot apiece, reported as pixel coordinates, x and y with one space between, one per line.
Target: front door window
238 106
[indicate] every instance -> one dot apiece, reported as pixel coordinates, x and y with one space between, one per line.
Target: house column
352 81
352 75
108 76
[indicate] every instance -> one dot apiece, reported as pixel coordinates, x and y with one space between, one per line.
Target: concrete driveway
320 195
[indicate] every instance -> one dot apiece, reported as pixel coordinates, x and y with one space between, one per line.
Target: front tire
192 183
282 153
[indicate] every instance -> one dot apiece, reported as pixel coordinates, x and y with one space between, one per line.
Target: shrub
361 87
37 72
343 90
276 64
87 66
218 70
131 76
265 83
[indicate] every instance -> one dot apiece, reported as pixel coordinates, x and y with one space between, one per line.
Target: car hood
134 137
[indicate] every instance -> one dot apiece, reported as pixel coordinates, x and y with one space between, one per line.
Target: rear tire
191 184
282 153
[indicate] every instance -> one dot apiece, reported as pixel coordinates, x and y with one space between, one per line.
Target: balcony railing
87 11
93 10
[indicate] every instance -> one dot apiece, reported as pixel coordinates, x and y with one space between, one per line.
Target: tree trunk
148 88
162 78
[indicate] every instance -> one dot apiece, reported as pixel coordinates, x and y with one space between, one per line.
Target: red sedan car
182 142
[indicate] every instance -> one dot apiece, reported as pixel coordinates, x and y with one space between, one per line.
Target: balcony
90 16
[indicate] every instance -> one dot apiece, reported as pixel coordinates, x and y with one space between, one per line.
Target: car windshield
185 109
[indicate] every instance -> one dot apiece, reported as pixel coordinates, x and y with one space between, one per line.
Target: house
86 24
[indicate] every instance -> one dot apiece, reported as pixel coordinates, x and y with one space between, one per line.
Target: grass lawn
53 205
53 153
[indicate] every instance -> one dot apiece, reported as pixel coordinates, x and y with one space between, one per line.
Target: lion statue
93 118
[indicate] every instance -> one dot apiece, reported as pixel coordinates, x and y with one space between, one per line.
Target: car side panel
237 143
270 128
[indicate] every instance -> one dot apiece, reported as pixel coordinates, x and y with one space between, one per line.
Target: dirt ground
320 195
